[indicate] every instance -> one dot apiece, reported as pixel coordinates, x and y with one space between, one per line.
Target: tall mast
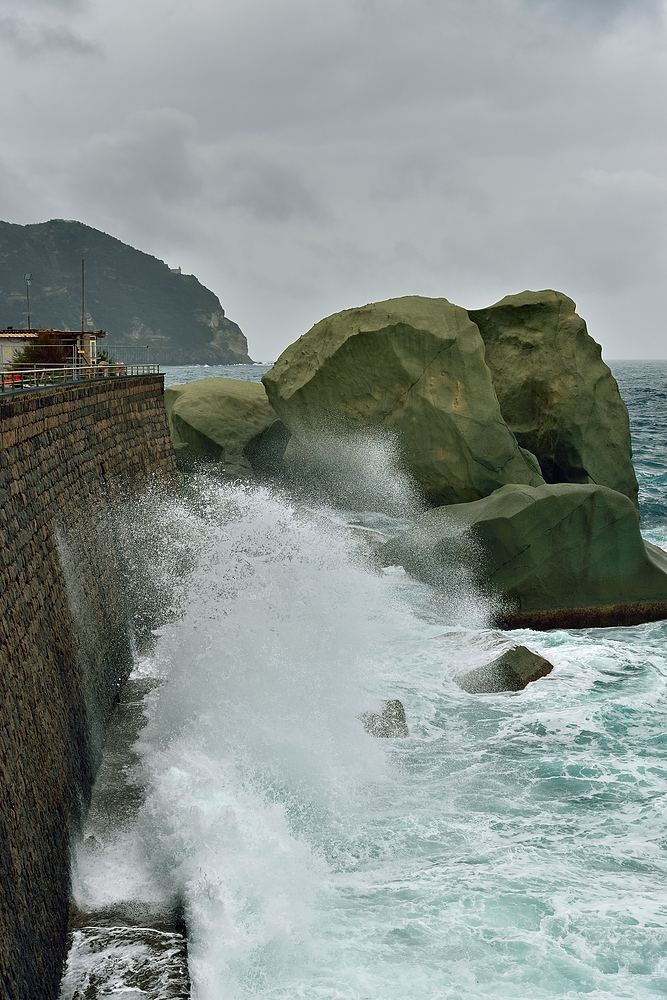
28 280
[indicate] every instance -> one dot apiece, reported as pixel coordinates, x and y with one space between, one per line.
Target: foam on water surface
513 846
128 962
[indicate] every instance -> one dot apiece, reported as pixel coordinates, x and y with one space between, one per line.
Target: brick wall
65 453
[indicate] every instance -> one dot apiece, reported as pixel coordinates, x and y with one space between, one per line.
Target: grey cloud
25 5
305 156
268 190
147 159
28 39
17 200
390 58
140 182
605 13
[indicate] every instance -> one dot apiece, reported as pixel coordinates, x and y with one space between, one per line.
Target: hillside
136 298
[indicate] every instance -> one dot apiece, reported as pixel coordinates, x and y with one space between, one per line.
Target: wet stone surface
118 946
133 962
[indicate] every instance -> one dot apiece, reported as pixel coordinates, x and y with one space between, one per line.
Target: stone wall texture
65 645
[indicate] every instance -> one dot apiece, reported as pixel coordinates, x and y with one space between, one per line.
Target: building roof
15 334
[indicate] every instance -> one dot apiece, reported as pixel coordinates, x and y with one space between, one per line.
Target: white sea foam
255 752
128 962
512 847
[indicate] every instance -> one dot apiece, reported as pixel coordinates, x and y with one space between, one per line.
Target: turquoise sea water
514 846
643 385
178 374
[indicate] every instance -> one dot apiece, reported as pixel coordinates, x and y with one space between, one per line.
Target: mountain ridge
137 298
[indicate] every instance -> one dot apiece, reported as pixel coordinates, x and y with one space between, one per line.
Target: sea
513 846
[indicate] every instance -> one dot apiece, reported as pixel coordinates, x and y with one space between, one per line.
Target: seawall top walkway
38 377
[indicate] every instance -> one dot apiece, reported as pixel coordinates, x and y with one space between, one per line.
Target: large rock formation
559 555
136 298
225 420
412 366
555 391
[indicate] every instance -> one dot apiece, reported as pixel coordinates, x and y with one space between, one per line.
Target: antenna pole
28 280
83 294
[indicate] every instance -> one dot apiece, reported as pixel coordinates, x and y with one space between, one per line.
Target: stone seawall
65 645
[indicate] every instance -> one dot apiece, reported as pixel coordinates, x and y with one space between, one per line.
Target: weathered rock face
226 420
559 555
555 392
412 366
511 671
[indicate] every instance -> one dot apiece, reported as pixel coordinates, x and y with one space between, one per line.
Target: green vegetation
136 298
45 350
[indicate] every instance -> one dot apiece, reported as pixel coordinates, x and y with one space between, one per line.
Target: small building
83 346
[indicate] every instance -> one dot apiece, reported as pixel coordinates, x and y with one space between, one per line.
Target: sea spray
359 469
255 751
316 862
511 847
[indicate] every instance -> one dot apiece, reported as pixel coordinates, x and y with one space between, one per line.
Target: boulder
226 420
555 392
511 671
558 555
412 368
389 723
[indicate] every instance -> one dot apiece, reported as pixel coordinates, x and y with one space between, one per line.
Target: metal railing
131 355
37 376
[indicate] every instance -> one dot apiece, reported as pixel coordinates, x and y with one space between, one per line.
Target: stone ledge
600 617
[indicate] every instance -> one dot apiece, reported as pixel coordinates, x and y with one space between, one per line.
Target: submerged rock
511 671
559 555
555 392
388 723
228 421
413 367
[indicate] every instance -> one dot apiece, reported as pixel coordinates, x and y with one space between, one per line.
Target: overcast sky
305 156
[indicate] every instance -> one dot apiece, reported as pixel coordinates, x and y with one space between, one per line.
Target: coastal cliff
135 297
